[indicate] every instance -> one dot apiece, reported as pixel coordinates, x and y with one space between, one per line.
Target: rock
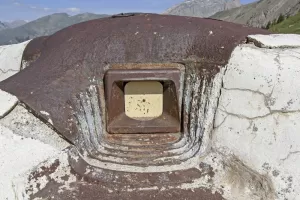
202 8
258 114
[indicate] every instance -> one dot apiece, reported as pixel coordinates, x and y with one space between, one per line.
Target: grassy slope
289 25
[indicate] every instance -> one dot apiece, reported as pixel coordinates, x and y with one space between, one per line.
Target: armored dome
162 107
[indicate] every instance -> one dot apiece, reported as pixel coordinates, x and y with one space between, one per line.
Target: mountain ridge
202 8
3 26
259 13
12 24
15 23
43 26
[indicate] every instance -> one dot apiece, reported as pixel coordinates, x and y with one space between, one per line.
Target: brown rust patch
126 185
89 192
40 172
44 170
33 50
143 140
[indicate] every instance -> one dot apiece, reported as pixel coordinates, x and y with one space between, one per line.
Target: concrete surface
258 117
25 124
18 155
10 64
276 40
7 103
10 59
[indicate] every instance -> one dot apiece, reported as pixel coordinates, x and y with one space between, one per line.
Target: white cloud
73 10
46 9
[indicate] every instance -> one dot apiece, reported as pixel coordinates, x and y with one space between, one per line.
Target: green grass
289 25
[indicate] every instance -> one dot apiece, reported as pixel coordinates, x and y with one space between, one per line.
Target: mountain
3 26
288 25
260 13
15 23
202 8
43 26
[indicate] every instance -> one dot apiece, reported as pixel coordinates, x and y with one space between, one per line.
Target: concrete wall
258 117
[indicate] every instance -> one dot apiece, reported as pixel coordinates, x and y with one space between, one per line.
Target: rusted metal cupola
136 96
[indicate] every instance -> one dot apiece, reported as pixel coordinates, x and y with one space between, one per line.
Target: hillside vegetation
259 13
288 25
202 8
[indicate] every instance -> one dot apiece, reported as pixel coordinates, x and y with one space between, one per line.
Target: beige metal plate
143 99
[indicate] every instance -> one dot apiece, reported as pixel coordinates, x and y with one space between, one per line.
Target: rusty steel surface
33 50
143 139
114 185
65 78
72 57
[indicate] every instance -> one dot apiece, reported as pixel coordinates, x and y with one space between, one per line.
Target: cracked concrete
25 124
290 154
259 111
10 64
9 70
251 109
10 59
276 40
18 155
7 103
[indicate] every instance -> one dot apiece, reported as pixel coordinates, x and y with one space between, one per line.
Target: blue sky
33 9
